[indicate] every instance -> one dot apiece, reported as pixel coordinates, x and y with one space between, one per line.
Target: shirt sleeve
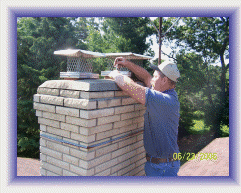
156 98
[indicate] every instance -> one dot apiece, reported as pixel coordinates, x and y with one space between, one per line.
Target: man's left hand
114 74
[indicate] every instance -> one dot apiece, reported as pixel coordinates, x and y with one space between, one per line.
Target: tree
134 30
37 39
210 38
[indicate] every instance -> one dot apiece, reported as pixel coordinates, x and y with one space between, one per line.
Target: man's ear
165 79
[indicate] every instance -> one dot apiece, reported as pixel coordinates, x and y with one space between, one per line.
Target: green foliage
27 130
208 38
199 127
37 39
199 114
130 33
225 130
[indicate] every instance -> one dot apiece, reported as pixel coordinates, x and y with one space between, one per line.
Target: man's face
157 81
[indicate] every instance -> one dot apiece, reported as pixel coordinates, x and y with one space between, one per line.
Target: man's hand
114 74
120 61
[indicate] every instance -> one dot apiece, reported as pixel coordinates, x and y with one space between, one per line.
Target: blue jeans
162 169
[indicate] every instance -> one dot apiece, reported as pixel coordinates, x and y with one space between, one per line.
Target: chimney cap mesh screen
79 61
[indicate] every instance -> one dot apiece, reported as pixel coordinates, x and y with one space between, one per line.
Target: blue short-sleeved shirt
161 123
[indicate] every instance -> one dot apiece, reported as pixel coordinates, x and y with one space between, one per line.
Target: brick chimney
89 128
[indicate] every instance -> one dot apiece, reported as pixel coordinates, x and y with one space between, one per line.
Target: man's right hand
121 62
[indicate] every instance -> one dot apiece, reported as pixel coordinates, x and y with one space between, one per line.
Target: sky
155 46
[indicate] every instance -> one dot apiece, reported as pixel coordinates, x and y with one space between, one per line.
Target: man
161 118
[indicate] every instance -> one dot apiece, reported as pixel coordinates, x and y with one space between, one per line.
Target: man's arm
133 89
140 72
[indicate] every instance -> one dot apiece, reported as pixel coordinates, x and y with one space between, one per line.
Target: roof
90 54
128 55
78 53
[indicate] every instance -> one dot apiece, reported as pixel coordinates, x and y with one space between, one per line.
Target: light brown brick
126 149
120 93
141 162
48 122
128 101
59 132
79 103
141 173
140 137
104 173
140 150
115 174
124 109
128 141
81 122
52 168
107 134
39 113
97 129
138 120
120 152
109 103
120 166
139 107
54 116
48 91
43 172
68 173
83 164
69 127
44 107
138 157
67 111
96 113
141 124
138 171
126 156
109 119
81 171
51 135
42 142
128 128
58 163
99 160
82 154
43 157
70 93
52 174
142 112
36 98
43 128
138 144
106 149
130 115
91 95
105 165
54 100
122 123
125 170
57 147
83 138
